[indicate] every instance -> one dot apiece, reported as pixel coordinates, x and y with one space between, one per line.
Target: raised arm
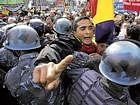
48 74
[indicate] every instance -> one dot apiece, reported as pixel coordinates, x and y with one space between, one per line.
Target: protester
84 31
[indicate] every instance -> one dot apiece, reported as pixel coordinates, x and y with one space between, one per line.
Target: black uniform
58 49
19 82
7 60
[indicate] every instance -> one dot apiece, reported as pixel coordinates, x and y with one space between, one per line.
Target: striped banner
131 5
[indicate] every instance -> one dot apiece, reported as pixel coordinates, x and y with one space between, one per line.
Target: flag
103 18
131 5
102 10
92 6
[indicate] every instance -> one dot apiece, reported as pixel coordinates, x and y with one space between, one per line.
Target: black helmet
63 26
38 25
22 37
121 63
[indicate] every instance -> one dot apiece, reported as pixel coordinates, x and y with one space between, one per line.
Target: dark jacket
58 49
87 89
7 60
20 84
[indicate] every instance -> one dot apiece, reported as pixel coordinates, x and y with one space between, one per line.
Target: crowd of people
56 59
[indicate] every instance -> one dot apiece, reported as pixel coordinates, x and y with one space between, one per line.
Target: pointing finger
62 65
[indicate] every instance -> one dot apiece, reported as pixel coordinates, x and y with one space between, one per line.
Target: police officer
8 59
25 40
63 27
39 26
5 29
63 45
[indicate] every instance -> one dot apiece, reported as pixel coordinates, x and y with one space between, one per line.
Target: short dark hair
77 20
133 31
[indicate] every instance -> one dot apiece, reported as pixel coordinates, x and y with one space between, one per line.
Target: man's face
102 47
85 31
49 22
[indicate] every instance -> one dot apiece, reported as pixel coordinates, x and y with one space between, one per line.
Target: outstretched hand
48 74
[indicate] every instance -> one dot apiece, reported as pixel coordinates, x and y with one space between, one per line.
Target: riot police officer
39 26
63 45
9 55
25 40
63 27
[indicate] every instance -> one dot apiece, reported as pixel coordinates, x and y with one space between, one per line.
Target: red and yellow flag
102 10
103 18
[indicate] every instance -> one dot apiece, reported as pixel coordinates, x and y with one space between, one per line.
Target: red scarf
92 48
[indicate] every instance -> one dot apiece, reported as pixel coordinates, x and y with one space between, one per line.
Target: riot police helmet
22 37
38 25
63 26
120 63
